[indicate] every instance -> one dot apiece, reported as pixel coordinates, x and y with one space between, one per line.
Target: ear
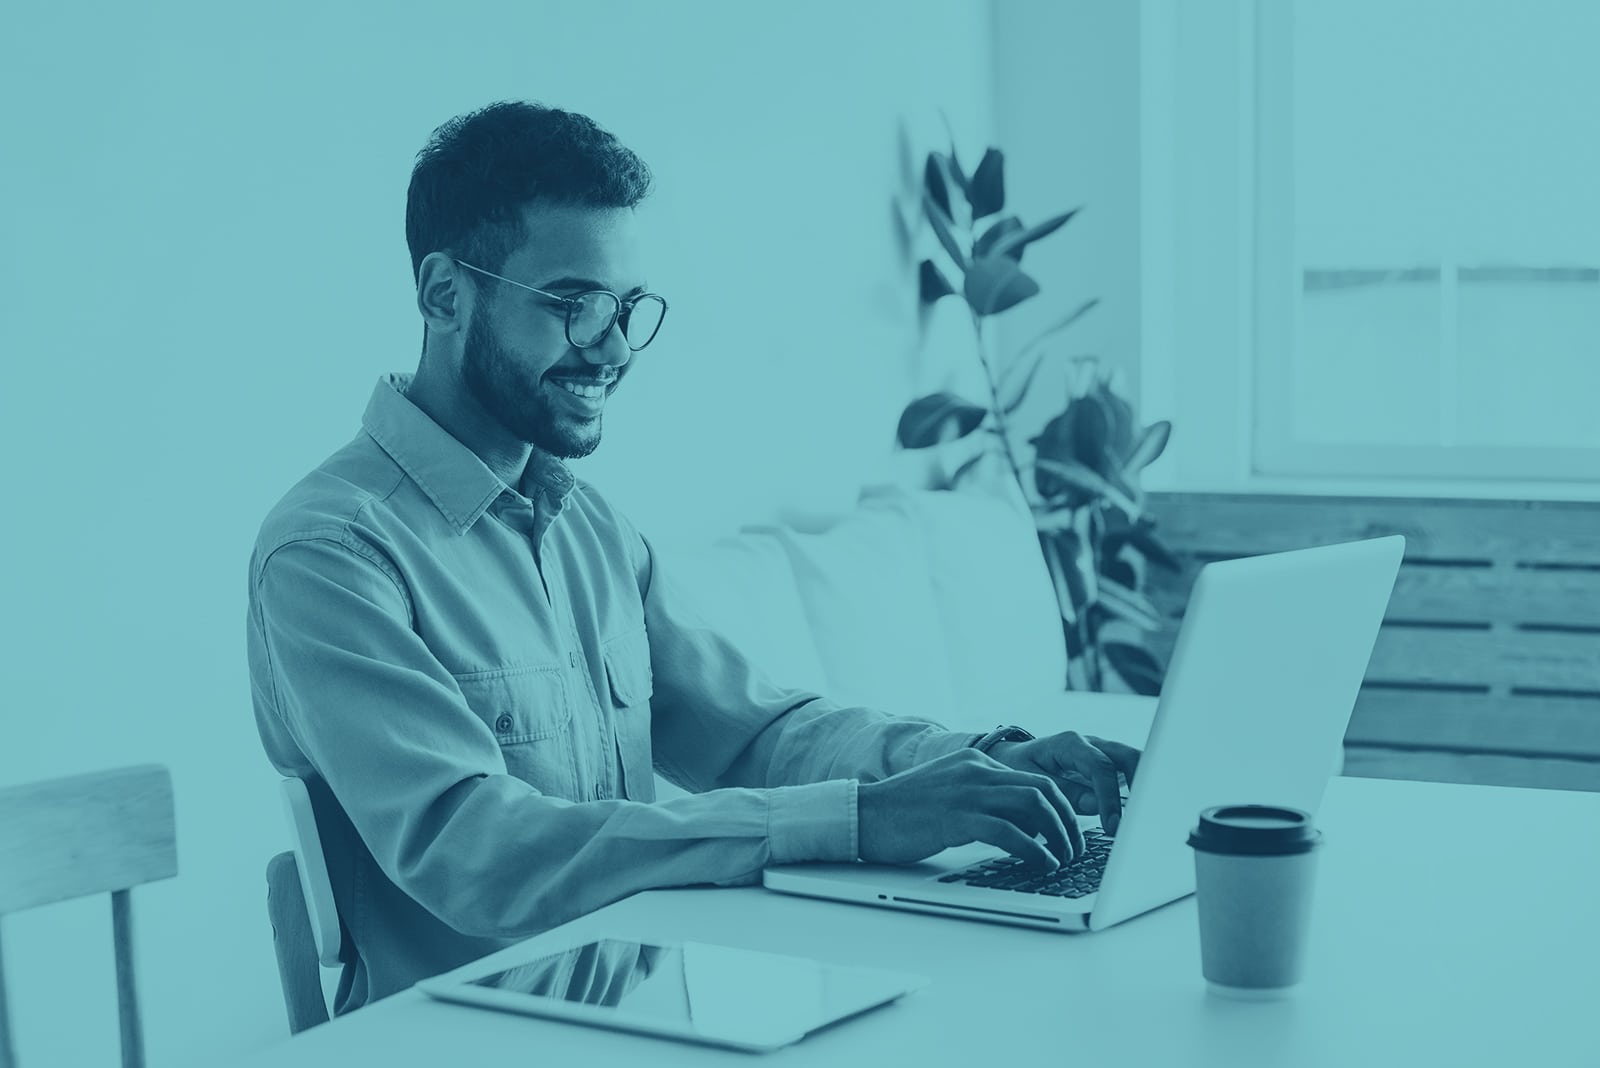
444 294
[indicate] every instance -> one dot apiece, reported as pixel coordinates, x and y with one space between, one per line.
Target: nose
612 351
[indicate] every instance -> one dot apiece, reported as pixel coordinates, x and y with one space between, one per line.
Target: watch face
1001 734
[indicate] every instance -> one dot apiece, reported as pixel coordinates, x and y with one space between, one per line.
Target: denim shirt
478 681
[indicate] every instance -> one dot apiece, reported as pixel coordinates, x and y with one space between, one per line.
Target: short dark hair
476 172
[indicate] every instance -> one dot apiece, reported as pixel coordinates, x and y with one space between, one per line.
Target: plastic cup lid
1255 830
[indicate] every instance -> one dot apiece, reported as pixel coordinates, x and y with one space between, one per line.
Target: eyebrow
570 282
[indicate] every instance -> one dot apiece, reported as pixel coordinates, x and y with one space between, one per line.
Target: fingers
1125 757
1028 809
1087 759
1043 807
1108 792
1051 813
1006 835
1052 793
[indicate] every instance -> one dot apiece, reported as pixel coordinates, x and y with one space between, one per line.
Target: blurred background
1344 247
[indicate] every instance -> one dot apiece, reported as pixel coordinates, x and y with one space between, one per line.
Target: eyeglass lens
594 313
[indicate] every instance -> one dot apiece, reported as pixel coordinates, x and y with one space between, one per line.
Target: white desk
1455 925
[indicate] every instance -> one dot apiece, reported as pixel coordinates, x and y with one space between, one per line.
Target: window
1427 240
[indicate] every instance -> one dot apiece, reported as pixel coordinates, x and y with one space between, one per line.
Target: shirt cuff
812 822
939 742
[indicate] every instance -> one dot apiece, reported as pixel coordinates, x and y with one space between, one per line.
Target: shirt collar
458 483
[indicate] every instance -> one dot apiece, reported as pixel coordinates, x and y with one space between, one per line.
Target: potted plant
1081 482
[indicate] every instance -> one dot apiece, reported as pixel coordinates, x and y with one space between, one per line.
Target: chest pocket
629 681
529 711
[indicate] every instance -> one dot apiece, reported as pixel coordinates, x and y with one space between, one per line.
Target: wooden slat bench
1487 668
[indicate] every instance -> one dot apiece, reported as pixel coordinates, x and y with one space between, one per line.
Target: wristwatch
1000 734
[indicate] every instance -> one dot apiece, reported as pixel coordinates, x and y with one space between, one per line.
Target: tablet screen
717 991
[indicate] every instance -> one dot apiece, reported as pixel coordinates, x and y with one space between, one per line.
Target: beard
519 400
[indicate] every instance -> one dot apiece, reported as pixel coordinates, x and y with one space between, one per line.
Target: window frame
1275 449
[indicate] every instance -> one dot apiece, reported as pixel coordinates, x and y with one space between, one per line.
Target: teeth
590 392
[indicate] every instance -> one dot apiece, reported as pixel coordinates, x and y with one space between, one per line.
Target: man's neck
445 400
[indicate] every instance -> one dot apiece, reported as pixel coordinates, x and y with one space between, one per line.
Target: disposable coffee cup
1254 869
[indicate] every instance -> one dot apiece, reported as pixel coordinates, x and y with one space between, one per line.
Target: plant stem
995 408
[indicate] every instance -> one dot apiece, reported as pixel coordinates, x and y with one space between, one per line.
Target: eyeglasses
592 314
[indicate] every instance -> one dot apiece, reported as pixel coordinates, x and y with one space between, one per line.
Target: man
477 662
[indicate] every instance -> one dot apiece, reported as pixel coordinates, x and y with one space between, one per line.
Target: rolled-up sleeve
423 781
718 721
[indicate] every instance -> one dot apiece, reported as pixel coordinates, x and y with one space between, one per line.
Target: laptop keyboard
1078 879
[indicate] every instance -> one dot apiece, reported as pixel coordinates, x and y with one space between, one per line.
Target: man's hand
1086 768
963 797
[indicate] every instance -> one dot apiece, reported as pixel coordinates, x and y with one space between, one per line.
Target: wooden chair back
1487 667
294 946
302 798
306 928
104 832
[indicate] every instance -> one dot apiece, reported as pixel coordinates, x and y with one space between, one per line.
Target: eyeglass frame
573 302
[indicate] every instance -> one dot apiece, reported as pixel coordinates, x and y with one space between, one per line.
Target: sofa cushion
865 587
744 588
1001 625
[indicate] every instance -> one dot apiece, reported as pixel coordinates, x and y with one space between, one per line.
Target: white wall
205 272
1067 115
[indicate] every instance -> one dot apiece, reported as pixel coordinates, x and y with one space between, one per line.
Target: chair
306 931
105 832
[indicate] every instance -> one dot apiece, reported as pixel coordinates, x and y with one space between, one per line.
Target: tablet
718 995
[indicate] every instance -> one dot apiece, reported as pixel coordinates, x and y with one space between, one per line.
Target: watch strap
1003 733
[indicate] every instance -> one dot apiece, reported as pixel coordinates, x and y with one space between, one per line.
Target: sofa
917 602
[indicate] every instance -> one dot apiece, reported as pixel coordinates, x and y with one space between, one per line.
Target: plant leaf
1056 443
1129 604
1120 413
1076 474
933 182
1052 559
1136 665
988 193
959 210
1032 233
923 422
943 229
1050 519
952 171
1077 674
1117 569
932 282
971 462
955 159
995 283
1115 476
1091 431
1078 434
1070 547
1008 225
1151 444
1154 550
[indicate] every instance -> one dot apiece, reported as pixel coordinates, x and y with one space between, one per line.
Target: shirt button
503 724
572 658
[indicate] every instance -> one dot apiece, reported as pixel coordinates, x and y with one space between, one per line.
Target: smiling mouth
582 389
585 386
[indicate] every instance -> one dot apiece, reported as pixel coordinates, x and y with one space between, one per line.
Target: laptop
1263 678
